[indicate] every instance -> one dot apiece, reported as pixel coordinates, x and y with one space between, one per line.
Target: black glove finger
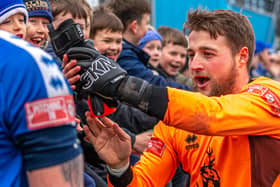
98 106
111 102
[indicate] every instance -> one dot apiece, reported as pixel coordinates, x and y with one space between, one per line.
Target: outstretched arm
110 142
218 116
112 145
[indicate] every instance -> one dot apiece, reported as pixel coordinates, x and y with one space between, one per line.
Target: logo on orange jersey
271 98
156 146
210 176
191 142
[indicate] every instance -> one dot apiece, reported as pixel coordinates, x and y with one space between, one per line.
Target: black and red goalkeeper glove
102 76
99 74
69 35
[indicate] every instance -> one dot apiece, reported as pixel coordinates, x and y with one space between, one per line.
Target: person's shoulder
127 49
17 51
127 54
131 51
268 90
266 82
126 44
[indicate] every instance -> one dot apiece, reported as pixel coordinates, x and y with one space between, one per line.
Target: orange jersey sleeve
254 111
159 162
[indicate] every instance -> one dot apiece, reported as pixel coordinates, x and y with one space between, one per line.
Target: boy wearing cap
261 63
39 17
13 17
151 43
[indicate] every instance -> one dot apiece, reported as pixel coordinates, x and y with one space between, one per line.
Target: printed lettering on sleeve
156 146
268 95
50 112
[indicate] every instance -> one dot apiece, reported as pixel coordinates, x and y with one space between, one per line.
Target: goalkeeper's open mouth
201 81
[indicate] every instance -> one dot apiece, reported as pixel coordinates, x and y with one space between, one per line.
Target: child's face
108 43
173 58
153 48
37 31
61 18
15 24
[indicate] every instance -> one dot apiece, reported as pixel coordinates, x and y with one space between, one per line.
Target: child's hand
142 141
78 127
70 70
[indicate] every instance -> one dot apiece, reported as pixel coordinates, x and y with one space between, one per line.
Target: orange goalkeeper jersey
242 148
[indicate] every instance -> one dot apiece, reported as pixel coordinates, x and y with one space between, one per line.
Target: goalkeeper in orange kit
226 135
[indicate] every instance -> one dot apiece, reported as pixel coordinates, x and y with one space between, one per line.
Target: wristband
118 172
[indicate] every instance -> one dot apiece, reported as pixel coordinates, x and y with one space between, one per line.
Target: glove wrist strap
135 92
